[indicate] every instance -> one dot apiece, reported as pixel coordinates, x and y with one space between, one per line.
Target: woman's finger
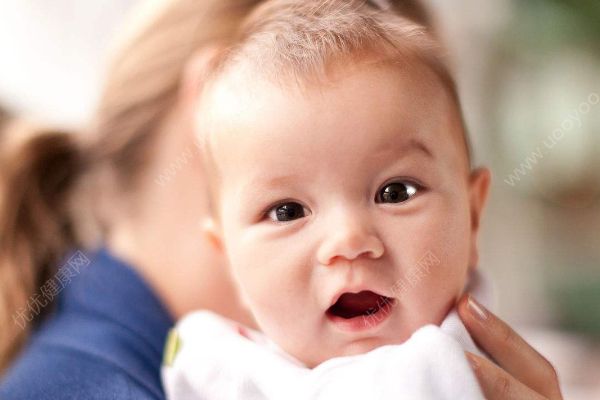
508 349
497 383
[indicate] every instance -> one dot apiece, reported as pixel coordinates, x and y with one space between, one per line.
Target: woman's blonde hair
44 178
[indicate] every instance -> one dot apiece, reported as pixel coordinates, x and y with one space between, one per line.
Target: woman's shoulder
48 371
103 341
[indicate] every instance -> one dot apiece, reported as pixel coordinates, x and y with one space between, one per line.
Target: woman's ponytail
38 171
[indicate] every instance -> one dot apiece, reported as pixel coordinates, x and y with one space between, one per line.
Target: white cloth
216 362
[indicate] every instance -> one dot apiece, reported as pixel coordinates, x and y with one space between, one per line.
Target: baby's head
340 176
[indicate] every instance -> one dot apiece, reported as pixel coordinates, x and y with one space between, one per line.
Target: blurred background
529 77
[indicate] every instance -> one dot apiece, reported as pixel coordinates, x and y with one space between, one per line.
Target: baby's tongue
351 305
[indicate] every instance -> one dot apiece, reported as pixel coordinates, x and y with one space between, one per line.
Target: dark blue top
103 341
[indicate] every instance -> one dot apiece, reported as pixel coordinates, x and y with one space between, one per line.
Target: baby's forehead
242 89
238 108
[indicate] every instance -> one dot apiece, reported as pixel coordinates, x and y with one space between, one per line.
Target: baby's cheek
433 253
272 287
446 266
443 233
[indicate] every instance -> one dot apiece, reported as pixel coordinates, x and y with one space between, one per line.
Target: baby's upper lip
355 289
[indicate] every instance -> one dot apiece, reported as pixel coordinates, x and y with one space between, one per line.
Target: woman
92 324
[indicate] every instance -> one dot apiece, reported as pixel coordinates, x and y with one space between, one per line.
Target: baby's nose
349 238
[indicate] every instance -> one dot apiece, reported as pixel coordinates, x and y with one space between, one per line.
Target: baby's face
346 211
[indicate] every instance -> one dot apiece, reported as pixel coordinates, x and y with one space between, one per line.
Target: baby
340 178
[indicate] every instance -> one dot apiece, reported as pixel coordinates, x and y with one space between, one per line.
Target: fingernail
477 309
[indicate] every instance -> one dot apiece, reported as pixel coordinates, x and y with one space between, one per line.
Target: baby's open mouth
365 303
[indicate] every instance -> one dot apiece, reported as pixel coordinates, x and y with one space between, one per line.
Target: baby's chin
353 348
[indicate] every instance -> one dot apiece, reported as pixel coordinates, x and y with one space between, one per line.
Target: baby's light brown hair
298 44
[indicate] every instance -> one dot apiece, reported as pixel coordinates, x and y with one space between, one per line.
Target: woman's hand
518 370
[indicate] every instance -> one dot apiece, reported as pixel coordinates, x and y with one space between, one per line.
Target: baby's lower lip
362 323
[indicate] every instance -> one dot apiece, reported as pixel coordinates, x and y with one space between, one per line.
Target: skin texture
331 150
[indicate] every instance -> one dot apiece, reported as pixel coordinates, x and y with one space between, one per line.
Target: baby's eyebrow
402 148
277 181
255 187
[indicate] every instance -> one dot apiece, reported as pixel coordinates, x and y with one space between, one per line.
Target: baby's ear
479 187
212 232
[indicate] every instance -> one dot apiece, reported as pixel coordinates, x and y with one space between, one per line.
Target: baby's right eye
285 212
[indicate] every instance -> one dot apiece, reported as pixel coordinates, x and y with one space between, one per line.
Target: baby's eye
286 212
396 192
